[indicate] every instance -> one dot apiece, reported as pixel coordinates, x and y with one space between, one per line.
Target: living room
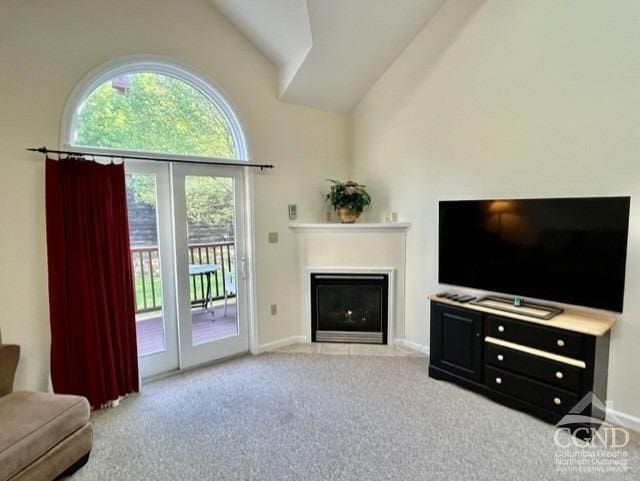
220 367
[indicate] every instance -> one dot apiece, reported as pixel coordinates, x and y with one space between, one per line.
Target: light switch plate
273 237
273 309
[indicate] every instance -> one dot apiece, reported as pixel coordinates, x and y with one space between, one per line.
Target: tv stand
542 367
525 308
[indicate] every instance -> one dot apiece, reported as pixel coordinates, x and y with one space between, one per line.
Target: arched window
152 107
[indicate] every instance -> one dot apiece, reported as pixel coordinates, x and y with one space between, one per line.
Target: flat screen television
570 250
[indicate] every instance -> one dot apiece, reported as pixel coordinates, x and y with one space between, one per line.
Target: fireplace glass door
349 308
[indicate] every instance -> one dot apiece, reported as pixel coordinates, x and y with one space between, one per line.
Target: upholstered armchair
9 355
43 435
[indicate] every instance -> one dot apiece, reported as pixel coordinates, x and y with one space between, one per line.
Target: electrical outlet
293 211
274 309
273 237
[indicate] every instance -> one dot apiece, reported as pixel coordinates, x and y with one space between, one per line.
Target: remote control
454 297
442 294
449 295
464 299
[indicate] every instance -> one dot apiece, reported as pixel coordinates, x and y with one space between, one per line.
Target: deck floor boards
205 327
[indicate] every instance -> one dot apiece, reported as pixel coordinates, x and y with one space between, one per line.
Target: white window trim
159 65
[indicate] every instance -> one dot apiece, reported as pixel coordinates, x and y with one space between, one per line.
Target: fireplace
349 307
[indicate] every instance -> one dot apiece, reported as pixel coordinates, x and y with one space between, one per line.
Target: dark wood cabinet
540 369
456 341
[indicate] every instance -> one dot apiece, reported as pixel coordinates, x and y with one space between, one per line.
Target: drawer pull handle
559 375
500 357
498 380
557 401
501 328
560 343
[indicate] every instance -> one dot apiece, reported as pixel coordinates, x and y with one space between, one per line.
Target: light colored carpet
345 349
288 416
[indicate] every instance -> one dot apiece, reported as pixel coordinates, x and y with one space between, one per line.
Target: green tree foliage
143 187
155 113
209 200
158 113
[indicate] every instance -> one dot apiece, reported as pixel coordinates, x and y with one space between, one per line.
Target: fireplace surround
360 248
349 307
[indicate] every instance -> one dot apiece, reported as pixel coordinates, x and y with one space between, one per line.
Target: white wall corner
627 421
422 348
287 341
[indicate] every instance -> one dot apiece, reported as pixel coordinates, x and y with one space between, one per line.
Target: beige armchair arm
9 355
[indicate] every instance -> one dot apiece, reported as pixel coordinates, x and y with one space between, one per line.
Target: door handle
243 268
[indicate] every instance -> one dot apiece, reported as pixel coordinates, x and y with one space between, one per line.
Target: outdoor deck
205 328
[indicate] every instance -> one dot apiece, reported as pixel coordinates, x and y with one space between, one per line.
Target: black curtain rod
44 150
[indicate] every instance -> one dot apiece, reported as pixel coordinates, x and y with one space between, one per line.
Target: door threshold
164 375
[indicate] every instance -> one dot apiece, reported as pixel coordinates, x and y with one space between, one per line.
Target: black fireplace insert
349 308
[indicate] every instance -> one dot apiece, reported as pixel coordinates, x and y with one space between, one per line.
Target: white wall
507 99
46 47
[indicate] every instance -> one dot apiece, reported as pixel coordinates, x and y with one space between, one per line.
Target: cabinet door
456 342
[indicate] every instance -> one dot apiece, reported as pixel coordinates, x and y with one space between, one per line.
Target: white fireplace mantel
335 228
358 248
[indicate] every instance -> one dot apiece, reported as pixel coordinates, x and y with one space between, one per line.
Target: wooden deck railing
146 271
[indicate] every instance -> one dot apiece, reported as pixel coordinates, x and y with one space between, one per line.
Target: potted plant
348 199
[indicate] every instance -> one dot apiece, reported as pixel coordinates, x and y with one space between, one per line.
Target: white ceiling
329 52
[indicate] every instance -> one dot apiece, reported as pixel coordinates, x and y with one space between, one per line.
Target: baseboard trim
423 348
624 419
270 346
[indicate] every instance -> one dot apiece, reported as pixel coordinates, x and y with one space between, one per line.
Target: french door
188 256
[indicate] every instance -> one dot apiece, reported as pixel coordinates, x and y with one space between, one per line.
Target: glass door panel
145 261
209 236
210 203
151 261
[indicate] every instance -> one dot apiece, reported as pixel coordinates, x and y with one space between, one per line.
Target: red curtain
92 307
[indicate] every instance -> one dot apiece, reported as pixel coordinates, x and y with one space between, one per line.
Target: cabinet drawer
534 392
545 370
557 341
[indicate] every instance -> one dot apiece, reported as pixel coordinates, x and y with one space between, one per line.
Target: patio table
207 270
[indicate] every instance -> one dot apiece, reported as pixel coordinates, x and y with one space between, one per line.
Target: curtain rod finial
42 150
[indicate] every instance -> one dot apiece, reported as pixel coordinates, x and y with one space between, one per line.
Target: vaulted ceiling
329 52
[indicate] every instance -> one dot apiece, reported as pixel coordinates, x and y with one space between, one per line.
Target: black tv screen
569 250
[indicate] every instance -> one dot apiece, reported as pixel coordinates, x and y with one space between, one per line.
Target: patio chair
229 287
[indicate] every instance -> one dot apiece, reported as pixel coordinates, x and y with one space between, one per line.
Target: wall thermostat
293 211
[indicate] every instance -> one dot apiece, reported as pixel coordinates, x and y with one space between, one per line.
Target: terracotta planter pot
348 216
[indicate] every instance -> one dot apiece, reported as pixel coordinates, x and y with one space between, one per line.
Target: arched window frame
158 65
